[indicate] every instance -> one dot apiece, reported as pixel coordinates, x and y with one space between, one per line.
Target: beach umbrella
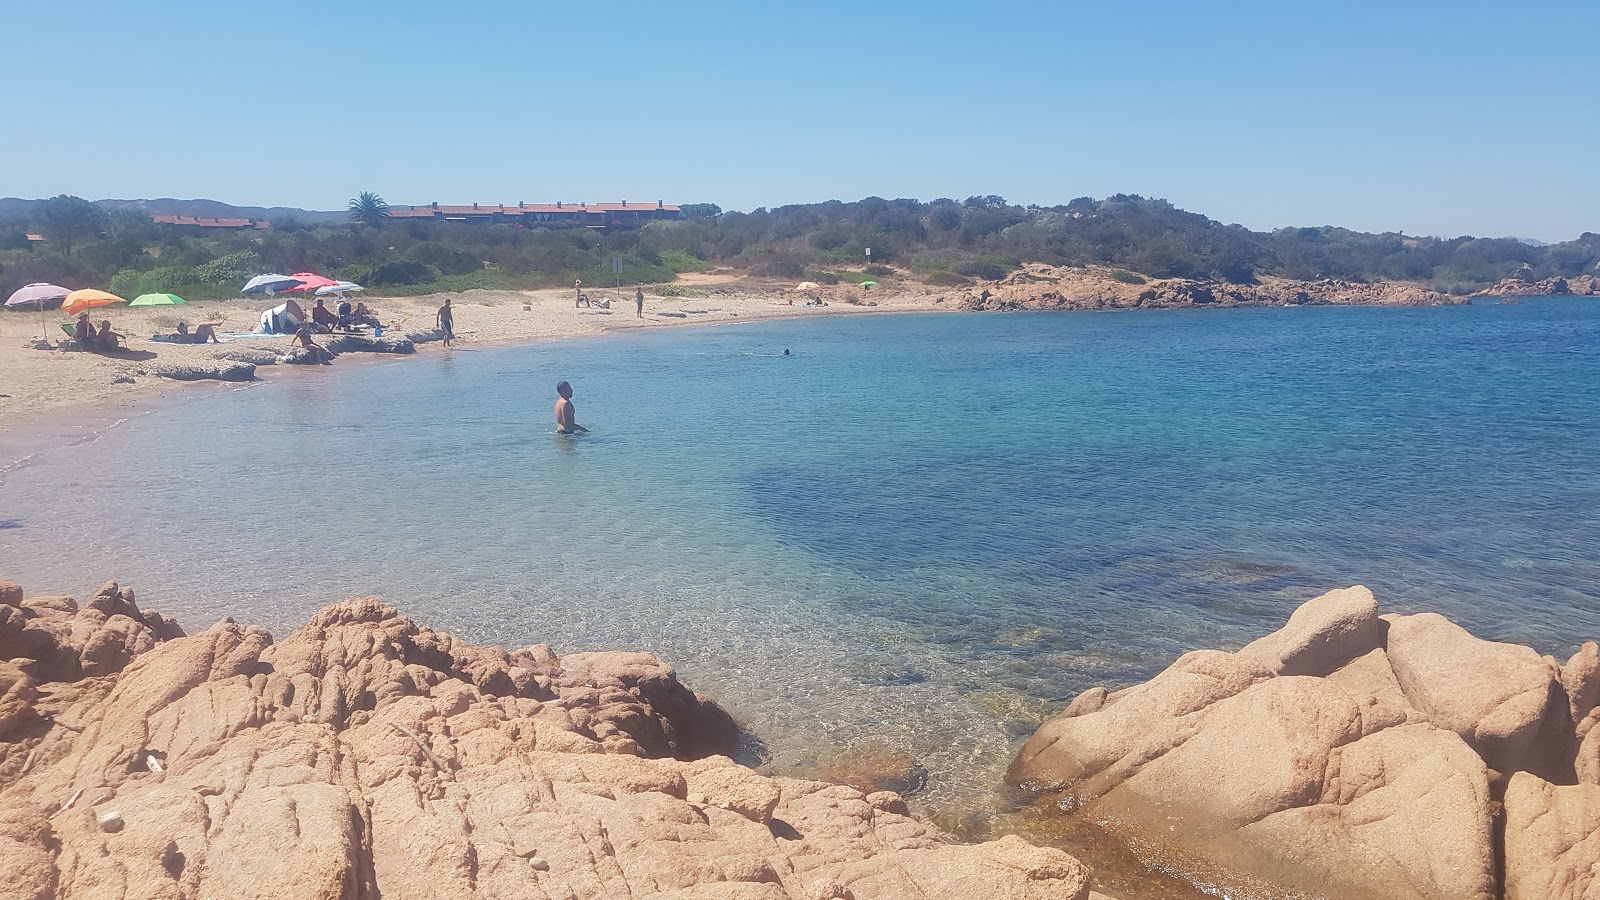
39 293
267 284
157 300
869 284
310 281
338 288
78 301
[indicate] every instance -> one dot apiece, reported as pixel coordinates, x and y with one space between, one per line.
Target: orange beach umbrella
78 301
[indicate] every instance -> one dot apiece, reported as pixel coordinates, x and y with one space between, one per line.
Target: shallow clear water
918 532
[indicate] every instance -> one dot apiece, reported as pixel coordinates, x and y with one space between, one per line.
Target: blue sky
1426 117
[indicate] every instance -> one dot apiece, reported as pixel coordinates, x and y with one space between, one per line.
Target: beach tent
285 318
269 284
78 301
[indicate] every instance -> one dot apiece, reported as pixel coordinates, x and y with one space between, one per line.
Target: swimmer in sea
566 413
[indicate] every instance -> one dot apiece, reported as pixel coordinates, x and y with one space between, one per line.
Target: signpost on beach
616 269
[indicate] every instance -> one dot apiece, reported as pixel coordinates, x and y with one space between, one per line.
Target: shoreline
40 417
52 384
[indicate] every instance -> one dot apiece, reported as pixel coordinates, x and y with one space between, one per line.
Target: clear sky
1428 117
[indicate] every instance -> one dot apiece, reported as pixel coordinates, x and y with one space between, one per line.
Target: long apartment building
592 215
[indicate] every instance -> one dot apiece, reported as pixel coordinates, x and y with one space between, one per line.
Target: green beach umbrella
869 284
157 300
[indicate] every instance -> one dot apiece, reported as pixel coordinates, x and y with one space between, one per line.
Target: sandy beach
43 386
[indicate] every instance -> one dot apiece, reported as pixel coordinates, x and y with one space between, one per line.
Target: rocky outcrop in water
1347 755
368 756
1585 285
1062 287
217 370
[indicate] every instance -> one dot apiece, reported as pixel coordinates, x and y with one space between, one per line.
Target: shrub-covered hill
943 242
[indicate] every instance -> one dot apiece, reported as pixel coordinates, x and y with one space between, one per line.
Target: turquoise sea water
918 532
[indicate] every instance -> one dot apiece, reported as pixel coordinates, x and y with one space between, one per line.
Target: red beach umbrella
310 281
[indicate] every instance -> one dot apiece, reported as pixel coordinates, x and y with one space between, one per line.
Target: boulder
1552 848
366 755
1346 755
1498 697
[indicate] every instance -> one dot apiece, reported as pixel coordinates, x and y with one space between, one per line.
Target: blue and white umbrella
338 288
269 284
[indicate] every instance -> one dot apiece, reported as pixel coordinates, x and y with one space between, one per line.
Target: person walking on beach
638 299
445 319
566 413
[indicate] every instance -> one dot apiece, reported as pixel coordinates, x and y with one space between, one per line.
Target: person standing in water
638 299
445 319
566 413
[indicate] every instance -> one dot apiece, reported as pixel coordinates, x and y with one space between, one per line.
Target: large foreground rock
1347 755
366 756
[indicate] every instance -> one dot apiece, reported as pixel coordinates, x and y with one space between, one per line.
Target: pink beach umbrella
310 281
38 294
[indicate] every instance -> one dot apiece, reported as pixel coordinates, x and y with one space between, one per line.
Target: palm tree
368 209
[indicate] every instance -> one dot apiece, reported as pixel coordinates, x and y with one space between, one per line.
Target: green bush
945 279
924 265
1126 277
130 283
680 262
678 290
234 268
779 268
877 271
403 271
977 268
447 259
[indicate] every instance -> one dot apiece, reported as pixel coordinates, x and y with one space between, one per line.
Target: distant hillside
13 209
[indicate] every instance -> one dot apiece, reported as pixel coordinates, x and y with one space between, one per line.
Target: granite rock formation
1349 754
367 756
1039 286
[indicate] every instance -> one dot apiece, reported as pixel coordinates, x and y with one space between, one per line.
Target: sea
902 545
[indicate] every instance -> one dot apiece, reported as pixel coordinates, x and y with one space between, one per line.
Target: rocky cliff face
367 756
1057 287
1347 755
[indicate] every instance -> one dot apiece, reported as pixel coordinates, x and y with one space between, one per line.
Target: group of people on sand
605 302
101 340
344 317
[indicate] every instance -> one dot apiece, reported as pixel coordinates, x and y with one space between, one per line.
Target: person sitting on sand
83 332
566 413
364 316
107 341
318 353
323 317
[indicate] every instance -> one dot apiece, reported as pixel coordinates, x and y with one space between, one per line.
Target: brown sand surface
41 388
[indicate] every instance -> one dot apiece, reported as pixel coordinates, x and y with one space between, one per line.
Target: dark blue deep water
919 531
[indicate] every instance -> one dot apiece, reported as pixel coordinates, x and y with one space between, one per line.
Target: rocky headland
365 755
1583 285
1347 755
1039 286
